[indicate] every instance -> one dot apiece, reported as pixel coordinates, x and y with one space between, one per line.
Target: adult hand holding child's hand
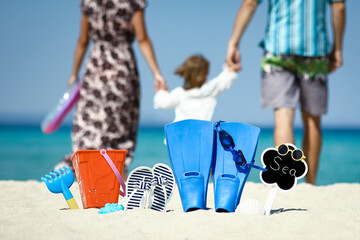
159 83
233 58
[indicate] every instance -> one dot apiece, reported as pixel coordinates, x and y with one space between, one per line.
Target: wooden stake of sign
270 200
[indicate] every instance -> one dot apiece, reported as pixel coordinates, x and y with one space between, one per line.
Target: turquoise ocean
28 154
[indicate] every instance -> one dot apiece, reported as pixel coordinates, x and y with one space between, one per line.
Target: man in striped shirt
295 66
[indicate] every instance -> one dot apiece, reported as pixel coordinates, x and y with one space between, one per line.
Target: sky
38 39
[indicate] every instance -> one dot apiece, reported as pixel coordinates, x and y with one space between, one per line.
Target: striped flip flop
138 186
162 187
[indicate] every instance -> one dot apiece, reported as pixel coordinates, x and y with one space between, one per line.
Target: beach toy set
98 176
196 146
150 188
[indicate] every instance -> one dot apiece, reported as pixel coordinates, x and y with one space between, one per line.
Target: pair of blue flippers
194 148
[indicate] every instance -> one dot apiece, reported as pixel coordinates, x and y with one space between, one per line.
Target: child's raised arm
220 83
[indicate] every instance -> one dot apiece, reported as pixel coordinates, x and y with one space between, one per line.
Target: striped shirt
297 27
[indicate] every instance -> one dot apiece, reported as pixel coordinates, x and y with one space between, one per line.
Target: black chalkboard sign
282 170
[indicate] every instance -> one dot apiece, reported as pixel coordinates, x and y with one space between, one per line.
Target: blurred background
38 39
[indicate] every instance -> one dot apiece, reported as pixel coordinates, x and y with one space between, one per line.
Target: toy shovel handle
113 167
68 196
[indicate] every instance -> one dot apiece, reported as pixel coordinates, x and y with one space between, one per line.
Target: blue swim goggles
227 142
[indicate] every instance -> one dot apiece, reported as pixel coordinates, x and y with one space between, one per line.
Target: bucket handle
112 165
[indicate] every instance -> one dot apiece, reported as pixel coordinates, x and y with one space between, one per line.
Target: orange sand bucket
98 182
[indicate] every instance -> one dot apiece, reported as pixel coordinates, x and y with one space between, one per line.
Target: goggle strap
257 167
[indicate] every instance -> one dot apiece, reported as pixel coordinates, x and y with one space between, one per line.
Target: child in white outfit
196 99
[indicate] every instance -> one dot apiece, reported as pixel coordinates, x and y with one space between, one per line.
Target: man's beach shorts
288 80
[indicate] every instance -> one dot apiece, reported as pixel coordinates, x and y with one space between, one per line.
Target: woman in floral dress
107 113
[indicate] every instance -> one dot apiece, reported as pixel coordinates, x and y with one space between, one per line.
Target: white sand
29 211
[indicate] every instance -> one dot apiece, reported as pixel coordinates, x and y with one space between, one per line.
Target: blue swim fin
230 176
190 148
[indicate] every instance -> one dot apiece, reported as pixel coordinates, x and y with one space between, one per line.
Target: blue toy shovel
60 183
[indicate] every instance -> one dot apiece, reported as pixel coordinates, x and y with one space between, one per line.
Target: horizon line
158 125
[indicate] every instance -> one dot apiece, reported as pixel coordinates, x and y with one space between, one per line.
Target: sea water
27 153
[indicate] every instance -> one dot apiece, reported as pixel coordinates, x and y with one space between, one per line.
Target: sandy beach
30 211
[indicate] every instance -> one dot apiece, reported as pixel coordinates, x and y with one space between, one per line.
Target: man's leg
284 122
312 141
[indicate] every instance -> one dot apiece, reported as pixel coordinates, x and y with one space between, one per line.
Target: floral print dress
107 113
